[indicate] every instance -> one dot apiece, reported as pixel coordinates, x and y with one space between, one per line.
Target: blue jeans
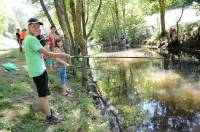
63 75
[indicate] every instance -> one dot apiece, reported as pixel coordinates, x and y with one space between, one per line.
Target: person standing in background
61 65
22 37
23 34
52 38
18 39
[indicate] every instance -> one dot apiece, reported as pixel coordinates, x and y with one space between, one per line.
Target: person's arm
53 55
37 47
62 62
56 50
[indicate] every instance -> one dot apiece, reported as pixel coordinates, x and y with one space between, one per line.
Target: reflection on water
154 95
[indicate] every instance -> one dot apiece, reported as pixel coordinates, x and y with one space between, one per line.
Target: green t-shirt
34 59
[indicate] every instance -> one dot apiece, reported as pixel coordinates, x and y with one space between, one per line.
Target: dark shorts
41 83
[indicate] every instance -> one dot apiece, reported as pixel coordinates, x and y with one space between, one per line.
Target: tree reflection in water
152 95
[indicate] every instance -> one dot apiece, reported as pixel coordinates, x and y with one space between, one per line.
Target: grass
19 108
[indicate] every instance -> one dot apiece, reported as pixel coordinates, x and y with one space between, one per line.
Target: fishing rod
128 57
123 57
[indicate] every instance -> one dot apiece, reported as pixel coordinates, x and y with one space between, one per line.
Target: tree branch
95 18
181 13
87 8
83 18
177 23
47 13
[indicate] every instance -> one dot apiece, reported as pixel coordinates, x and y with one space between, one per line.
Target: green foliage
197 7
106 30
133 24
34 1
136 29
12 19
149 7
19 17
2 18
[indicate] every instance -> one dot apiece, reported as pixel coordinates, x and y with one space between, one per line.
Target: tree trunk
71 38
62 17
116 21
123 10
68 28
87 9
81 42
83 19
73 15
47 13
115 28
76 12
162 17
123 13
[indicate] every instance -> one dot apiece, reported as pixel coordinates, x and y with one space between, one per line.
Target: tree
152 6
2 18
78 38
95 18
76 12
116 21
46 12
162 17
64 23
159 5
177 23
12 19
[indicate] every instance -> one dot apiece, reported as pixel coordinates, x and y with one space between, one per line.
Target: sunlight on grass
5 103
76 113
25 67
3 52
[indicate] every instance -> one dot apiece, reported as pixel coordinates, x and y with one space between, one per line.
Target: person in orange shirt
23 34
22 38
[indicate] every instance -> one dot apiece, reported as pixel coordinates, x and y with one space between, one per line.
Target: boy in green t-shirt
36 66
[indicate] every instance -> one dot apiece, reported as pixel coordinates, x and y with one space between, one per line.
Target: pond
151 94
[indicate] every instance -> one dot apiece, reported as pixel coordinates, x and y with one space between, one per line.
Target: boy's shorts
41 83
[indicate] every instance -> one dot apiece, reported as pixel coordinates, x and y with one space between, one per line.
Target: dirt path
6 45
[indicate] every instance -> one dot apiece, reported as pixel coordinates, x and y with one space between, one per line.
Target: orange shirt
22 35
